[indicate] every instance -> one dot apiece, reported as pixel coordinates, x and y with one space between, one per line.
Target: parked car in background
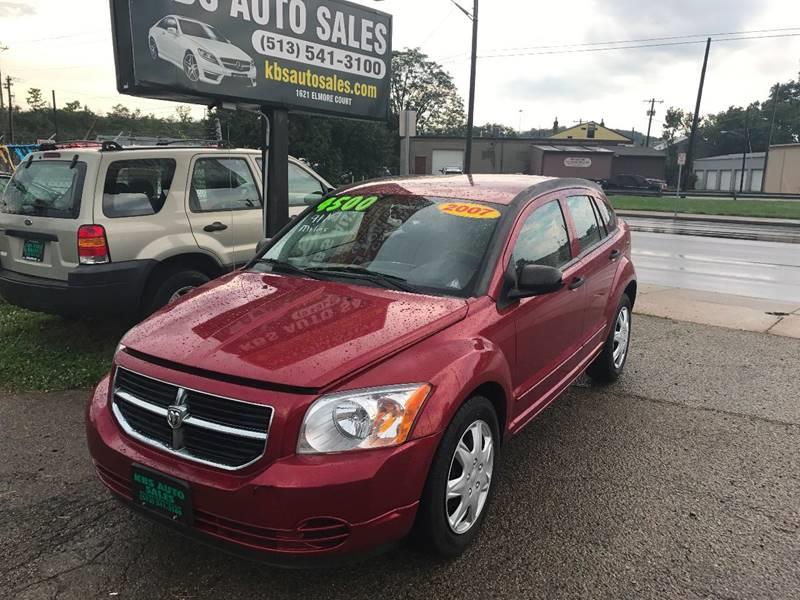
451 171
633 182
200 50
93 231
359 377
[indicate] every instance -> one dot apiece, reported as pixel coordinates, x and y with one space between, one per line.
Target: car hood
220 49
288 330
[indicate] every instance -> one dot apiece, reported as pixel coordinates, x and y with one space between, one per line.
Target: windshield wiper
286 266
384 279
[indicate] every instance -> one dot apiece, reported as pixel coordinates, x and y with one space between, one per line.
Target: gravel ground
681 481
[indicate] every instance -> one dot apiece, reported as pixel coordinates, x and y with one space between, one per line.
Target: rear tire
437 518
608 366
170 286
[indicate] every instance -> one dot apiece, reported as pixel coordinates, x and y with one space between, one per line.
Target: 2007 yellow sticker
469 211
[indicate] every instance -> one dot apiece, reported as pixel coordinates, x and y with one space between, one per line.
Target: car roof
499 189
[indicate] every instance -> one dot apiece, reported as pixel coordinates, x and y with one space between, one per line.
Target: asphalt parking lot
681 481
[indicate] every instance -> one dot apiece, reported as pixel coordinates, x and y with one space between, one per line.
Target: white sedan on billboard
200 50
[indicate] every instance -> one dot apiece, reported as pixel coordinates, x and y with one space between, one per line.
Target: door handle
217 226
577 282
615 254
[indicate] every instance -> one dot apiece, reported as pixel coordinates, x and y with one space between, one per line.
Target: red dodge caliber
358 378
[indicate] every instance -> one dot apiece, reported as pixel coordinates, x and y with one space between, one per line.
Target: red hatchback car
358 378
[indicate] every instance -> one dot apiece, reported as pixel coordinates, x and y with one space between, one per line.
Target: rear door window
45 188
223 184
586 226
136 188
303 186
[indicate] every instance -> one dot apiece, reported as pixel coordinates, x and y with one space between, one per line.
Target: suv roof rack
113 146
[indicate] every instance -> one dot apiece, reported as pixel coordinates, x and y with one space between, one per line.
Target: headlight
206 55
361 419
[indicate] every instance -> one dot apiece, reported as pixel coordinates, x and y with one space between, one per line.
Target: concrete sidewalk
721 310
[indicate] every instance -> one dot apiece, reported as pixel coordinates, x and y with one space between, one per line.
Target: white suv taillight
92 245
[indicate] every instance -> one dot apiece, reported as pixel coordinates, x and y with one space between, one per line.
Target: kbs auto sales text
327 24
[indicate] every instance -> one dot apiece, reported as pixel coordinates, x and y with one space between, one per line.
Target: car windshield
45 188
201 30
412 243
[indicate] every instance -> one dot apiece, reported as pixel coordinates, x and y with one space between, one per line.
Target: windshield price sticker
469 211
347 204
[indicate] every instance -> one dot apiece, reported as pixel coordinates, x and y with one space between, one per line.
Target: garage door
447 158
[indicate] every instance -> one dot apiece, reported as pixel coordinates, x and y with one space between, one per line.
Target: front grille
201 427
242 66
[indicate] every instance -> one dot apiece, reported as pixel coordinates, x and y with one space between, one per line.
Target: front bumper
216 74
90 290
286 509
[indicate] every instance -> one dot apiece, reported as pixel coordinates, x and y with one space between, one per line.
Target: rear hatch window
45 188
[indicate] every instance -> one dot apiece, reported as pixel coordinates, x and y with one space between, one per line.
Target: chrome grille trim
190 421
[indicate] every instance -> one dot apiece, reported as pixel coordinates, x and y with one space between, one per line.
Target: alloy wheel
180 293
622 336
469 477
190 67
153 49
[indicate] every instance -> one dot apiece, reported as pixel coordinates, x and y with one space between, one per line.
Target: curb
709 218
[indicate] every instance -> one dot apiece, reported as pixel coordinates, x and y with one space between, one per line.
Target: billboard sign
318 56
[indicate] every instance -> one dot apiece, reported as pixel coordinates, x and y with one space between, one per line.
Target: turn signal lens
92 245
362 419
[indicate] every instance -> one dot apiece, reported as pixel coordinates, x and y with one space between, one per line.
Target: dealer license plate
163 495
33 250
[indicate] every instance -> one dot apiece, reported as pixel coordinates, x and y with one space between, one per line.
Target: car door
599 255
168 39
547 327
219 187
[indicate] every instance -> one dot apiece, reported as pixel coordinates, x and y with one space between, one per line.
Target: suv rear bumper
90 290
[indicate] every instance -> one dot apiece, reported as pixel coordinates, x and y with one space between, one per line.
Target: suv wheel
171 287
608 366
459 486
190 67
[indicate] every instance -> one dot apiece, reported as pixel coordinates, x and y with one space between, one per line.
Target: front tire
608 366
153 49
190 67
459 487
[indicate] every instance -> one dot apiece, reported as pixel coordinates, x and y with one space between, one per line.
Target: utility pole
744 153
696 119
9 85
771 132
651 113
473 72
55 114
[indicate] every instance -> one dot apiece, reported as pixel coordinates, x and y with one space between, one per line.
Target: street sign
682 158
319 56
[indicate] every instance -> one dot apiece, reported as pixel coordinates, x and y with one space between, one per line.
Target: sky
535 66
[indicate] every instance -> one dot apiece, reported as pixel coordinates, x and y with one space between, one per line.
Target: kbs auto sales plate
162 495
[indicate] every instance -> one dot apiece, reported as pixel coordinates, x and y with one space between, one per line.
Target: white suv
85 232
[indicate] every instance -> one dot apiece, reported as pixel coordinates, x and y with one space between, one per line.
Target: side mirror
262 245
536 280
172 30
312 198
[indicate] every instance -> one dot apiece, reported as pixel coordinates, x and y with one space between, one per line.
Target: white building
724 173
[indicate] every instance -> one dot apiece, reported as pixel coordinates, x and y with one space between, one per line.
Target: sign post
681 162
329 57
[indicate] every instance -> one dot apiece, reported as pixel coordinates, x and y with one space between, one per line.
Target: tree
423 85
676 121
494 130
35 99
72 107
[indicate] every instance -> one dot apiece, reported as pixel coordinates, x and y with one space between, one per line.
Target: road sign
682 158
319 56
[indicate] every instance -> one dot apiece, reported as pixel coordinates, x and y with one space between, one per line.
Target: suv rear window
45 188
137 188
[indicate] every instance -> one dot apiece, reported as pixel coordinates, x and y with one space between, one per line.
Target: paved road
705 228
682 481
746 268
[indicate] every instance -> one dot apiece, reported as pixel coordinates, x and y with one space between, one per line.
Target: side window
607 215
586 226
223 184
543 239
301 185
137 188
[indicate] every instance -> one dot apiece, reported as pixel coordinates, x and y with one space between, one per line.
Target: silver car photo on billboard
200 51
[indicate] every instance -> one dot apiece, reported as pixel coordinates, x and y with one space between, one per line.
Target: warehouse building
536 156
724 173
